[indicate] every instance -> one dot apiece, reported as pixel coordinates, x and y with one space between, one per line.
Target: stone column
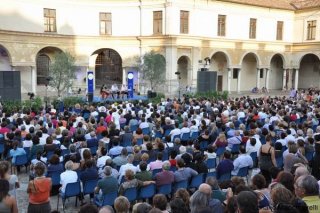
284 82
296 79
229 80
290 78
124 76
171 67
33 79
258 78
239 80
267 77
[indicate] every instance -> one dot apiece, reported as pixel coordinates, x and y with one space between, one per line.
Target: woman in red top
221 141
39 191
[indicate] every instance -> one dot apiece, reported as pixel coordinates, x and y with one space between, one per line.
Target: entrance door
220 78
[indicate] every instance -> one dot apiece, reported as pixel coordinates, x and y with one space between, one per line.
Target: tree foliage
62 72
153 69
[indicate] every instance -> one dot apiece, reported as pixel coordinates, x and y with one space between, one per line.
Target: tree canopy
62 72
153 69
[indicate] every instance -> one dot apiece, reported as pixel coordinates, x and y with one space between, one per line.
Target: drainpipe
140 42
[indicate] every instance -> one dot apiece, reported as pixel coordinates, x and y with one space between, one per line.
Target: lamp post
178 76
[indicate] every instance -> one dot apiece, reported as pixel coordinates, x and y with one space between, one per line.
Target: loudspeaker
151 94
10 85
206 81
90 97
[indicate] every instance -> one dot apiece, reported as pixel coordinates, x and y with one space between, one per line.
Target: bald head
301 171
106 209
205 188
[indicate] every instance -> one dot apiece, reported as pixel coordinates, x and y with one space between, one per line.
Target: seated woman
131 182
54 164
49 146
16 151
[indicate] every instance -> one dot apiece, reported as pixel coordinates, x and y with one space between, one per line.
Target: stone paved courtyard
22 197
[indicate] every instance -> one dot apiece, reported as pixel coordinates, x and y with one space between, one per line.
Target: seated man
183 173
166 176
236 139
115 90
226 165
124 90
243 160
106 185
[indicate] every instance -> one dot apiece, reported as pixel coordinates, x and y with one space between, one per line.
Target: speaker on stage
206 81
10 85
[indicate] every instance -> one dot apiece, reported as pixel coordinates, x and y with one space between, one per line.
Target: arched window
43 63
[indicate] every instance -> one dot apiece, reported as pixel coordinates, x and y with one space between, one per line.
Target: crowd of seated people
190 155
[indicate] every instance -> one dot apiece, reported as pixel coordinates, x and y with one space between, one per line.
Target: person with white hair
69 176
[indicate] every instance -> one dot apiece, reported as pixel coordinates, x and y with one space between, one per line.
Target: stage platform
98 99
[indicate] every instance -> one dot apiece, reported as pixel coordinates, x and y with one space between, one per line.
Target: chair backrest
220 151
225 176
131 194
253 155
72 189
185 136
1 147
165 189
167 132
65 152
194 135
211 163
108 199
55 178
155 171
147 191
196 181
88 186
92 142
211 174
180 185
146 131
133 128
203 145
309 155
243 172
158 134
235 148
21 160
139 141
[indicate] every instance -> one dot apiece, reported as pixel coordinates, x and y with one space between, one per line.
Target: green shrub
68 101
216 95
13 106
157 99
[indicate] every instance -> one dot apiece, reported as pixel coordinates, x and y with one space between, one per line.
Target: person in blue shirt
226 165
16 151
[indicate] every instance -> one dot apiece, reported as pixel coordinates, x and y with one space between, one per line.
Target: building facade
272 43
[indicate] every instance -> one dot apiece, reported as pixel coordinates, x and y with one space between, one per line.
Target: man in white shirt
243 160
124 90
175 131
185 128
102 160
115 90
143 124
127 166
